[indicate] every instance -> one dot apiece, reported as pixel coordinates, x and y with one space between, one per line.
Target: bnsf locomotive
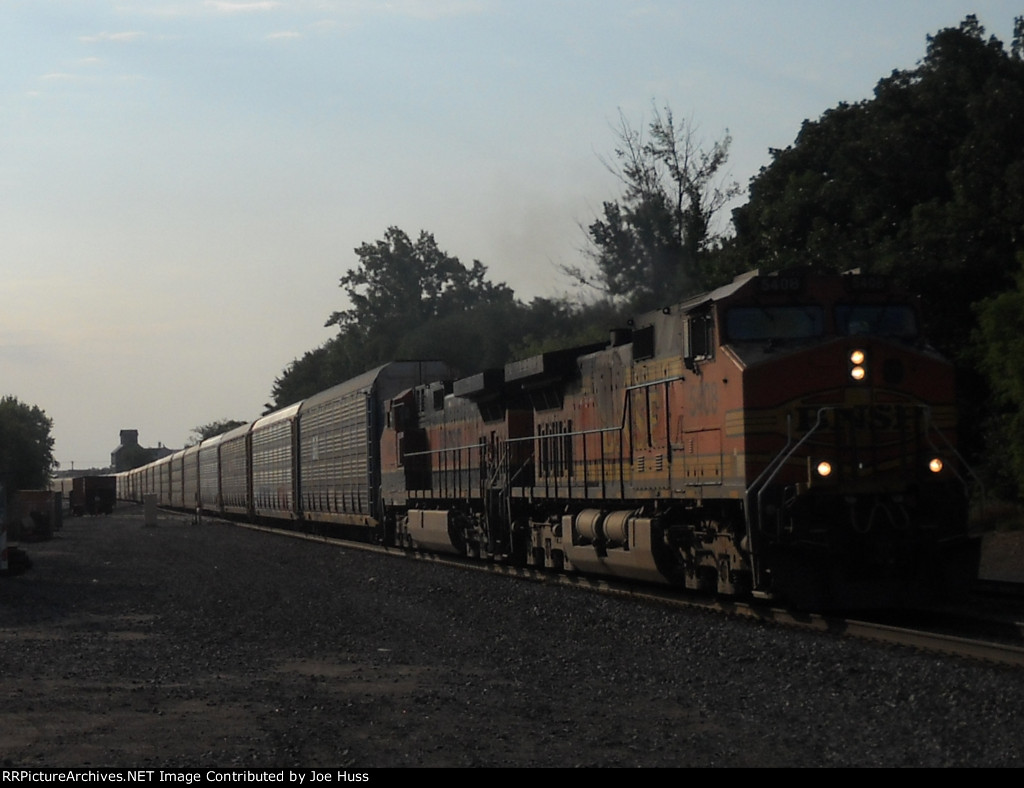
786 436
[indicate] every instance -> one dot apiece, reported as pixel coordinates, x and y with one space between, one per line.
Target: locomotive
789 435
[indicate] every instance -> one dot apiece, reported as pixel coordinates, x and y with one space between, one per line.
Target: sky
183 183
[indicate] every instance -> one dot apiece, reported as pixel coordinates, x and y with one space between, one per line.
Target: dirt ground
183 645
1002 556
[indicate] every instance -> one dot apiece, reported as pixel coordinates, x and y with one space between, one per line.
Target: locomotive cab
855 493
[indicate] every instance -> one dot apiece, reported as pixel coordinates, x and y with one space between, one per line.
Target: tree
556 323
400 282
410 300
999 342
212 430
26 446
302 377
651 246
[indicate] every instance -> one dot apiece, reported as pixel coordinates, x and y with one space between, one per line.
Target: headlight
935 465
824 469
857 369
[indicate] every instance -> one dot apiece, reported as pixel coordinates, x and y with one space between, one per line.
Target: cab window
700 339
744 323
887 320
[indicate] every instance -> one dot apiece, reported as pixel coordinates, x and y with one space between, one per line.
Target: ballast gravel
185 645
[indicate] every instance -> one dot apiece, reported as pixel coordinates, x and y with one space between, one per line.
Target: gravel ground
185 646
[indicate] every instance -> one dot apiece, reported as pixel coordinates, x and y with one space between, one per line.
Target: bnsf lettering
861 417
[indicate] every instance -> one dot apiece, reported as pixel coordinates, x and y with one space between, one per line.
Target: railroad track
934 638
1005 590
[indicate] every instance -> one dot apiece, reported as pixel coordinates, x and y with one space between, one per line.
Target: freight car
788 435
93 495
315 462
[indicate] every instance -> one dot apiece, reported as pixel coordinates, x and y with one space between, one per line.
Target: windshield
774 322
887 320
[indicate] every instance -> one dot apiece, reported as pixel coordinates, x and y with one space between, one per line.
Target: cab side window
643 343
700 337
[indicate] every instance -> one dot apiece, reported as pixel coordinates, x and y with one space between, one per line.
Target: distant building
131 455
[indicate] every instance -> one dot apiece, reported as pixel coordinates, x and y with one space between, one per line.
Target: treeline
923 182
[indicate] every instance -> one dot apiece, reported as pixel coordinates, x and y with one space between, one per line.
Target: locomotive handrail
571 434
522 439
957 454
442 450
565 434
619 428
651 383
775 466
771 470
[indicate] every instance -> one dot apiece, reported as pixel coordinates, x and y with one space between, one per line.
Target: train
90 494
788 436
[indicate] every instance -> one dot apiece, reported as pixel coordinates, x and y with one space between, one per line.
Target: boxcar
93 494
